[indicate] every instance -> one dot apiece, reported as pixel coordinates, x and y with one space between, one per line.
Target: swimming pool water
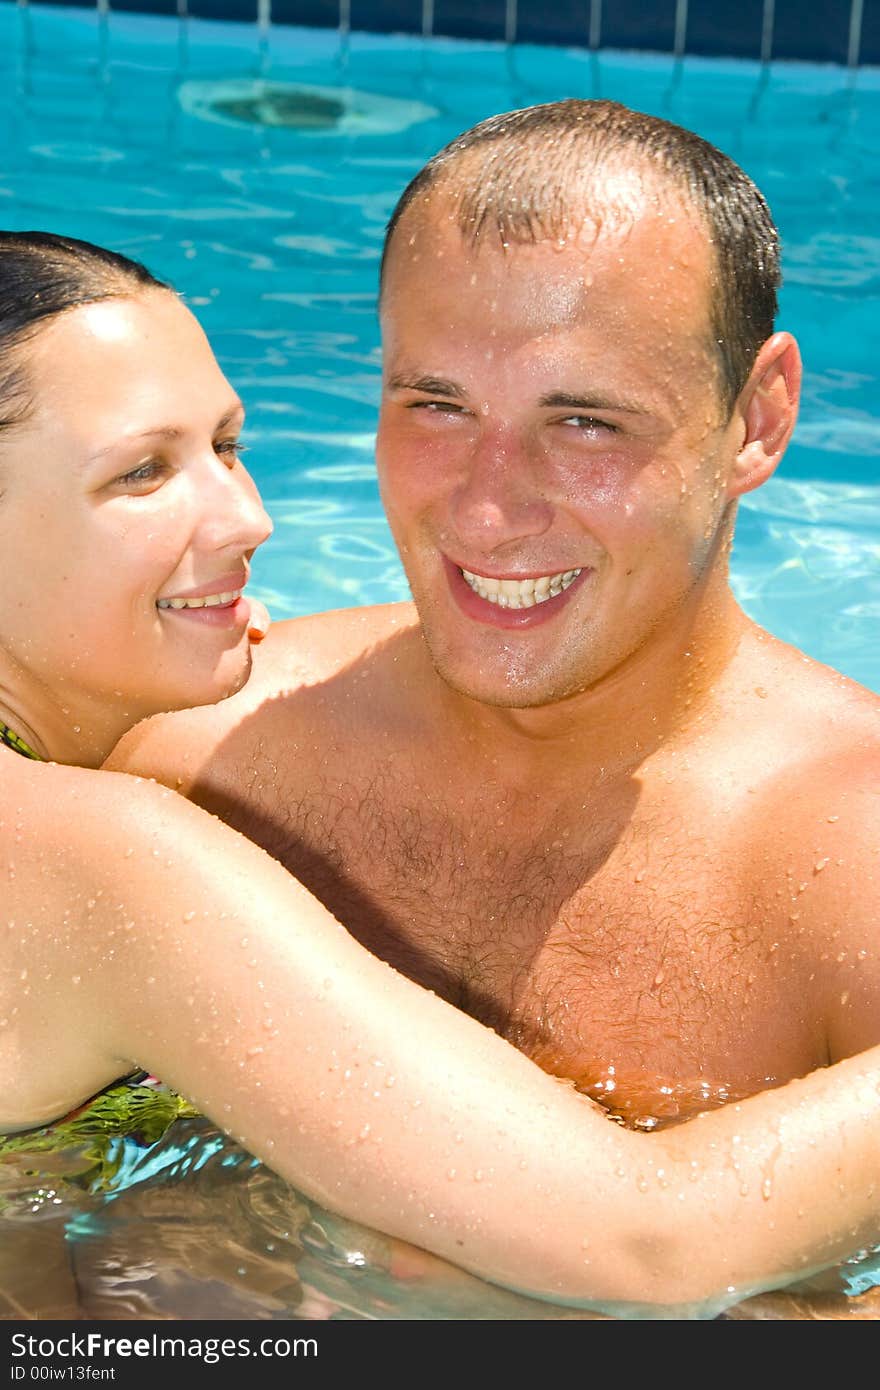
166 140
170 141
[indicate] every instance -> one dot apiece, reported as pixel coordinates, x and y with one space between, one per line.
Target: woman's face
123 508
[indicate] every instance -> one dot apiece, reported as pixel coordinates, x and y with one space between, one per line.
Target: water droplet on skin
188 916
819 865
451 1174
75 979
642 1184
767 1189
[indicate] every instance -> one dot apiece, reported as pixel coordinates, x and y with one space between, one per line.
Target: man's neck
657 697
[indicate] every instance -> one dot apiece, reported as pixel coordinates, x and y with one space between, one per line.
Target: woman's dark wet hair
536 174
43 275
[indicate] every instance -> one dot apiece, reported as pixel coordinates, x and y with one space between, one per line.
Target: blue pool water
164 140
168 141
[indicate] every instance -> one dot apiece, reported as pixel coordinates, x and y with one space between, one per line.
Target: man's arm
816 853
845 914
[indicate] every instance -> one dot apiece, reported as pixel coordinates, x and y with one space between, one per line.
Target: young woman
140 932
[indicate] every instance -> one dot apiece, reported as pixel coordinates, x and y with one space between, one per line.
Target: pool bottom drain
303 109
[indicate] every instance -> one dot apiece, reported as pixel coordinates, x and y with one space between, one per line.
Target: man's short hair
524 176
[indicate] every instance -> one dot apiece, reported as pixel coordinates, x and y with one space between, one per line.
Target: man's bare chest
616 949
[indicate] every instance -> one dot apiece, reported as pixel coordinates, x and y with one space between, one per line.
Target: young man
573 788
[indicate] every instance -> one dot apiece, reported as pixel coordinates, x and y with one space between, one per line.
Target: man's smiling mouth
520 593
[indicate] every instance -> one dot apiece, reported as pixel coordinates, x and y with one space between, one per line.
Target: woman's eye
230 448
144 473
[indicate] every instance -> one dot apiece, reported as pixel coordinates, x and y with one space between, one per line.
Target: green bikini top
17 744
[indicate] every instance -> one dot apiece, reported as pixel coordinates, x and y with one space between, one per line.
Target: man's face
553 451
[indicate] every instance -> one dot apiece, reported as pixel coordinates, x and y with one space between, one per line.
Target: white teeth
520 593
211 601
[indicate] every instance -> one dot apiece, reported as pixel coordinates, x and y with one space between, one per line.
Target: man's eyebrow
167 432
428 385
594 401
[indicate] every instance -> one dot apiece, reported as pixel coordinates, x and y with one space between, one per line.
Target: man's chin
504 692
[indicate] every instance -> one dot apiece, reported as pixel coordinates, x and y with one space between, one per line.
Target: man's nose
232 511
499 500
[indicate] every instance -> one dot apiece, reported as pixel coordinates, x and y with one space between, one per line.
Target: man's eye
588 424
437 407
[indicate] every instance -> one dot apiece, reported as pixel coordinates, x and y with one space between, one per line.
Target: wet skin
624 827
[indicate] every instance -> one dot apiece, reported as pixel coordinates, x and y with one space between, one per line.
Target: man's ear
767 407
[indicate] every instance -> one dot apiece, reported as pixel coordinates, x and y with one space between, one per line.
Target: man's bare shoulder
804 744
797 749
818 733
298 654
796 711
320 644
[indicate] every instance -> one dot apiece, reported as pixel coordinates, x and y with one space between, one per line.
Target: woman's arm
173 943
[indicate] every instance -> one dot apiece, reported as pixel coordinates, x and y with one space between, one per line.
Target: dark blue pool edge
833 31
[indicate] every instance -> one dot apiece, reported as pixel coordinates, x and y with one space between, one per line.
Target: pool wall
833 31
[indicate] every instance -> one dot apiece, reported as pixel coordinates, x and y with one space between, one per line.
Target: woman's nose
234 516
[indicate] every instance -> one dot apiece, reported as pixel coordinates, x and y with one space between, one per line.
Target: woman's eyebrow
429 385
168 432
161 432
232 412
